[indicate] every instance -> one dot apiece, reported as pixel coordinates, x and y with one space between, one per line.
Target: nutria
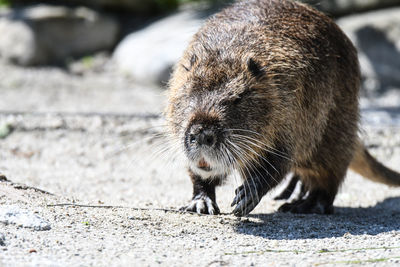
269 87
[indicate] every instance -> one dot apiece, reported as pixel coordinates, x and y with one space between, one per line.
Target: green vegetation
5 3
5 130
324 250
265 251
87 61
167 4
358 261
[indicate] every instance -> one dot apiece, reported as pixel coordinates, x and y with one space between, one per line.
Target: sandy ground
90 184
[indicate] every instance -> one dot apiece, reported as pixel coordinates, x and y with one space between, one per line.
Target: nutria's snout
204 148
201 136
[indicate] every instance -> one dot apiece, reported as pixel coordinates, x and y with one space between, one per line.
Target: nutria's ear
254 68
193 60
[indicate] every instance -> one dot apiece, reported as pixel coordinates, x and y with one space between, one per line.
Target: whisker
261 145
133 144
247 162
256 140
258 155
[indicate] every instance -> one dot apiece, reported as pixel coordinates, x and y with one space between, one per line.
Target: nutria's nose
207 138
203 136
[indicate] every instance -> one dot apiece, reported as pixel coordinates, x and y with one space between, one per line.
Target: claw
202 204
245 201
244 207
238 197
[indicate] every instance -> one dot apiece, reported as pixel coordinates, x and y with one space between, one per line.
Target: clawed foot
202 204
246 199
304 201
315 202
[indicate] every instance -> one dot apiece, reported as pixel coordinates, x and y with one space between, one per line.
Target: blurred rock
148 55
23 218
45 34
343 7
2 239
333 7
378 116
377 37
135 6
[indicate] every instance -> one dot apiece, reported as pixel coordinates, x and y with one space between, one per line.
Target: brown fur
364 164
287 77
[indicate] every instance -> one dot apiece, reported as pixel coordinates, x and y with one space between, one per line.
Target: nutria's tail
366 165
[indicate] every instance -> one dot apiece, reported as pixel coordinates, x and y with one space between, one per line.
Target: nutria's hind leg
316 201
290 188
319 193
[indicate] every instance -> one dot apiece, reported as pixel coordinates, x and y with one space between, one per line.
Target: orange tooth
203 163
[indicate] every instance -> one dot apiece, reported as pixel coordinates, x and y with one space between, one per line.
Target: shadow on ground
381 218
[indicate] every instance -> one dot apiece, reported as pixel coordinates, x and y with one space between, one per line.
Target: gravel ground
95 172
89 85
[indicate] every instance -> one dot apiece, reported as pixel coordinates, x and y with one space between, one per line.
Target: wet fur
279 82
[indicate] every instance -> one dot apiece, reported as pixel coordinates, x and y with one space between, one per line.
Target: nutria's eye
254 68
237 100
240 96
193 60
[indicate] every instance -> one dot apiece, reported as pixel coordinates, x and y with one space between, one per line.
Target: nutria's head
224 108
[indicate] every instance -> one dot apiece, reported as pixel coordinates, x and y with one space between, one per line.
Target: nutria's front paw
246 199
202 204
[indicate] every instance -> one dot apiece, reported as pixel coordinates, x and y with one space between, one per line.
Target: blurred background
82 87
115 56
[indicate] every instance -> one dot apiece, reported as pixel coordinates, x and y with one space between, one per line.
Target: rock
3 178
343 7
5 130
148 55
138 6
2 239
380 116
332 7
377 38
23 218
45 34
